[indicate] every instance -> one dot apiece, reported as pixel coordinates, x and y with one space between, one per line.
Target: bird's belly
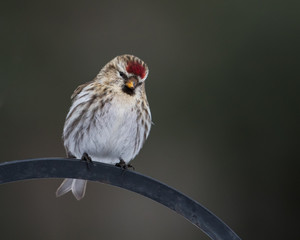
111 136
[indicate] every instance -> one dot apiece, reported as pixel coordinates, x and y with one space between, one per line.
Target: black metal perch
130 180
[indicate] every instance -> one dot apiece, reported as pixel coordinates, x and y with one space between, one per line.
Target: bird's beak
131 83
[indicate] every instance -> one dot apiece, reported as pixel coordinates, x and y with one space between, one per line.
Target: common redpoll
109 119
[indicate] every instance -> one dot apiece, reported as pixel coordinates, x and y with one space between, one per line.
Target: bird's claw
123 165
85 157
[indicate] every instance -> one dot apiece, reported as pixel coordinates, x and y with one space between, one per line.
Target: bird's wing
79 89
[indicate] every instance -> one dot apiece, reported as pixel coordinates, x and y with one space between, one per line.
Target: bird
109 119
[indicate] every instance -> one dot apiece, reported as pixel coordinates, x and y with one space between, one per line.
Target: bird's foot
85 157
123 165
130 166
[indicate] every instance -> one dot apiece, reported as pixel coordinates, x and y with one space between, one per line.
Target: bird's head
126 72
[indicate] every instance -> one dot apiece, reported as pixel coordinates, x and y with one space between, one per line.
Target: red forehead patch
136 69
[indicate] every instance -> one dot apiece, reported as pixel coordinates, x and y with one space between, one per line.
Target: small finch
109 119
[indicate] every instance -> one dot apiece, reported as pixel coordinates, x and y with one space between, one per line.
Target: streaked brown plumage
109 119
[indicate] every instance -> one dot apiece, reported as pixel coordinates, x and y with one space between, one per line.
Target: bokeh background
224 94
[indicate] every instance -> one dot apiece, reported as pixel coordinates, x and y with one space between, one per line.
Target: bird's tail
77 186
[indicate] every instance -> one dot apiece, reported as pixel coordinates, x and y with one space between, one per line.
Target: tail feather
77 186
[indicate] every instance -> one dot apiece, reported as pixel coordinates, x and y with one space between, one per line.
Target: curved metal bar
130 180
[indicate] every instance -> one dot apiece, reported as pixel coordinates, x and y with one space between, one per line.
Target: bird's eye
123 75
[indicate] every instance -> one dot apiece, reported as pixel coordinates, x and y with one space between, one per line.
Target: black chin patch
128 91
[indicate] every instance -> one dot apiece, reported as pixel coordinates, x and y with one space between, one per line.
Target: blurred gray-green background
224 94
